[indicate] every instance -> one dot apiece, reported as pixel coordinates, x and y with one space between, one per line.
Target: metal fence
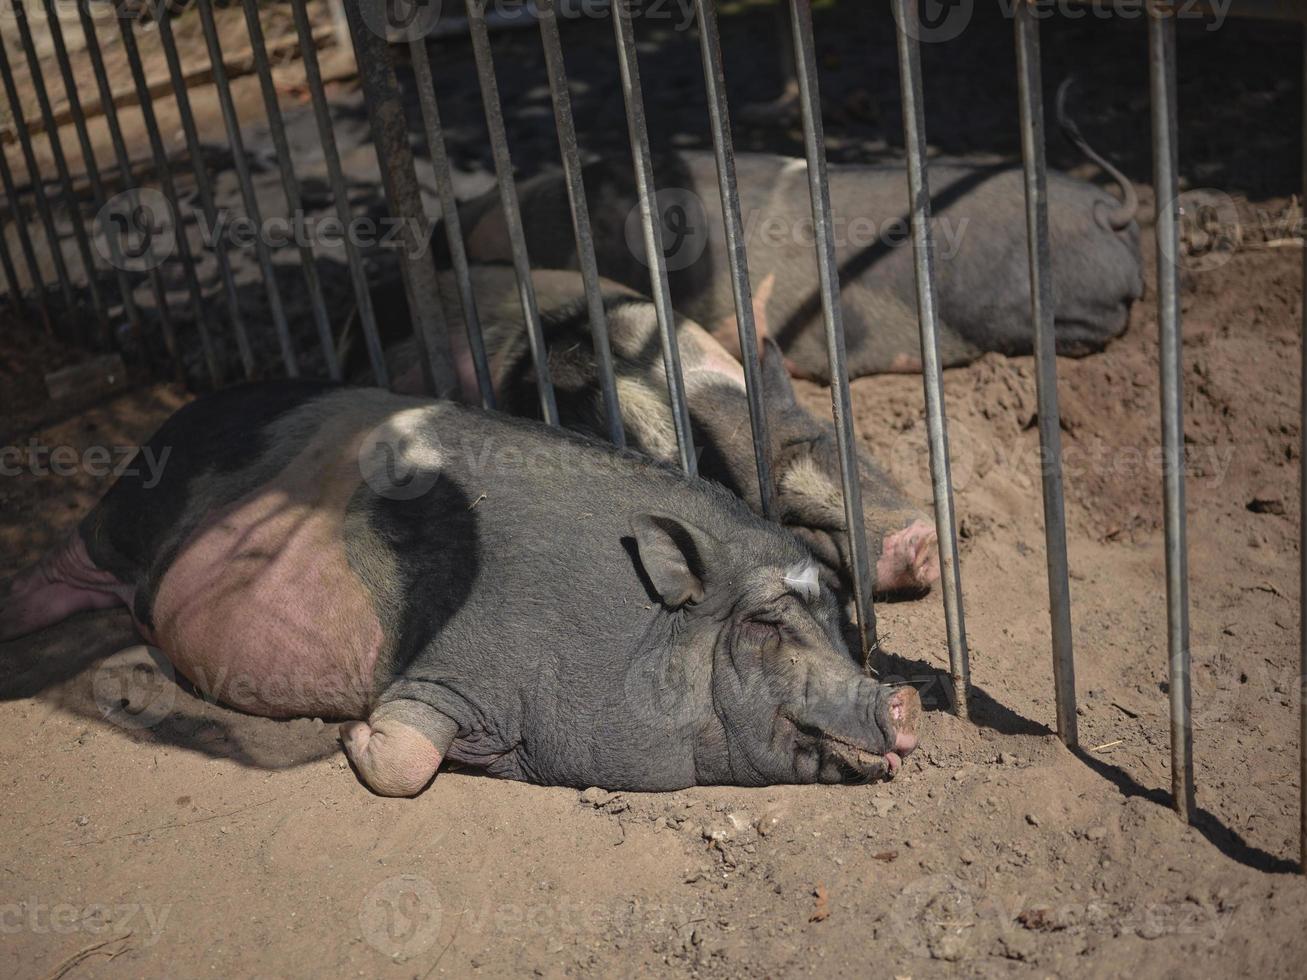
63 302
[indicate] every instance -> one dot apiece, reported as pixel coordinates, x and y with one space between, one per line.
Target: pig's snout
899 717
909 559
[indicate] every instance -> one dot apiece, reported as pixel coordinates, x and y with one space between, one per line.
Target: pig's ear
674 556
777 388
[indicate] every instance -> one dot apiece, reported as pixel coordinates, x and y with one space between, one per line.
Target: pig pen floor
217 844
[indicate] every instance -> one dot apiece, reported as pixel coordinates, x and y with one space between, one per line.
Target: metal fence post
585 246
828 276
476 23
724 149
923 251
339 189
1161 74
205 189
82 243
389 129
651 219
1030 84
34 180
290 186
222 85
98 196
444 174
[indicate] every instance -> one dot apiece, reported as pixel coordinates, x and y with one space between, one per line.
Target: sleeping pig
455 584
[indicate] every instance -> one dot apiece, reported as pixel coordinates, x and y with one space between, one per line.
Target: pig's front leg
399 748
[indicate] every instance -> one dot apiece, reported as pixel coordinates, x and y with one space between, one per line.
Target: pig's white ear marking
802 579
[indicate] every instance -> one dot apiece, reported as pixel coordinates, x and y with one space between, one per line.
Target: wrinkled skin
902 542
399 563
983 279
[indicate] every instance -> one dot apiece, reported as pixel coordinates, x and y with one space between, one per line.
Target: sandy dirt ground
145 832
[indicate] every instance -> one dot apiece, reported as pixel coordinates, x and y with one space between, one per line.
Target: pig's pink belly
262 612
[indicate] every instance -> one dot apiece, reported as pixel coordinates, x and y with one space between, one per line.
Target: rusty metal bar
169 187
222 85
61 169
476 22
1162 87
1302 523
98 196
651 219
290 185
561 98
25 244
1031 98
395 157
805 59
35 182
923 251
724 150
339 192
13 288
444 174
105 91
204 186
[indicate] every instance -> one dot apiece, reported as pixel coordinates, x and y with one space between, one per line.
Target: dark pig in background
980 239
809 499
456 584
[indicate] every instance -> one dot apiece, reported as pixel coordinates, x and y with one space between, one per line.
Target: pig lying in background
477 588
806 473
980 235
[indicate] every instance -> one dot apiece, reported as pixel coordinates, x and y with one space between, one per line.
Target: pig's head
788 705
901 540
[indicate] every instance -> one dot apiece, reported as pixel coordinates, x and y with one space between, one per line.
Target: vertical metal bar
89 162
13 289
1030 86
339 191
124 163
923 252
561 98
828 277
638 132
476 21
395 158
1161 78
25 242
204 187
61 169
1302 521
719 117
169 188
476 346
242 164
291 186
34 180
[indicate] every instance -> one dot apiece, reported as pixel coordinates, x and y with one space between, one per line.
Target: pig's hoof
904 716
909 560
392 758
